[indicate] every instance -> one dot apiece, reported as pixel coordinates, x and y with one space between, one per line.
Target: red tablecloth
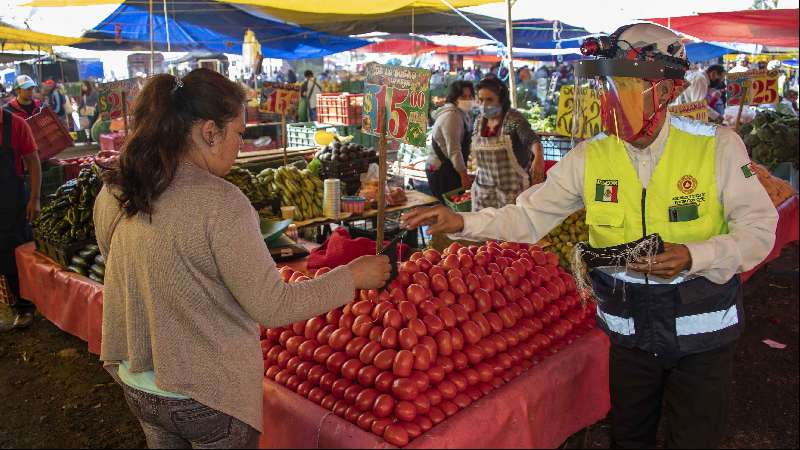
788 230
540 409
72 302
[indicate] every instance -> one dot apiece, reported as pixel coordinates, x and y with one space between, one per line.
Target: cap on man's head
50 84
24 82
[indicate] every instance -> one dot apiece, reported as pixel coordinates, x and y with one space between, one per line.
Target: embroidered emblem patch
687 184
606 191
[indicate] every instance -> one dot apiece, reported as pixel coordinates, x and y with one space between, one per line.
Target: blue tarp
208 26
536 33
704 51
90 69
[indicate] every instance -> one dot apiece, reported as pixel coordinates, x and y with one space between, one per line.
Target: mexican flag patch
748 170
606 191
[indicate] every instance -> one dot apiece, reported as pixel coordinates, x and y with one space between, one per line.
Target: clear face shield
618 101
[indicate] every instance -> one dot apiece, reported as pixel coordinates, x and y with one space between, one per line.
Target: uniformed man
673 326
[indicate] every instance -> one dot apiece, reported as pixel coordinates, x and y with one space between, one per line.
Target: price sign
588 118
110 97
279 99
694 110
404 94
762 87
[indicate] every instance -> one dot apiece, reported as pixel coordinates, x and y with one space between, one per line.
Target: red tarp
788 230
410 47
539 409
773 27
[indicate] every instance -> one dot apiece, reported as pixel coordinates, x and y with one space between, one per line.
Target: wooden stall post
381 179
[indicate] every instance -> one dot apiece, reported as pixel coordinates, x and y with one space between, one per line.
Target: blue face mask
491 111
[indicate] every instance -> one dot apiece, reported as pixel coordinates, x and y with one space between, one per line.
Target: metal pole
152 39
381 178
166 25
512 81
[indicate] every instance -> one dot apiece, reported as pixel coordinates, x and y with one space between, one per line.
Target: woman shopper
88 106
188 276
449 141
508 152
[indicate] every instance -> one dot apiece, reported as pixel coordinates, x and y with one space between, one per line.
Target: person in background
55 100
291 77
470 75
717 89
18 208
788 104
742 64
88 105
449 141
188 276
508 152
309 91
700 88
25 105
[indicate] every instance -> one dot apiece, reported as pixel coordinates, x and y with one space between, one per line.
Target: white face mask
466 105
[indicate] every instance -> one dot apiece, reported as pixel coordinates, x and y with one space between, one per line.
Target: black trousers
444 180
691 392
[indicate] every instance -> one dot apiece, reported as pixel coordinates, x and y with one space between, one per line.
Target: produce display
256 192
562 239
539 122
449 330
772 138
89 263
295 187
342 160
68 216
461 198
778 190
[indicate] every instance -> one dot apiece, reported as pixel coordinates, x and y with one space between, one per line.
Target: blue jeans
171 423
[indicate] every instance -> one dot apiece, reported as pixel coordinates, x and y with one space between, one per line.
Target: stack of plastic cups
332 198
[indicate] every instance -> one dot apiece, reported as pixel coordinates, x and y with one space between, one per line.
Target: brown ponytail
165 111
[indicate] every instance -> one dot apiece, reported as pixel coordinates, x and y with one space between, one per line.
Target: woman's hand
441 219
466 180
675 259
370 272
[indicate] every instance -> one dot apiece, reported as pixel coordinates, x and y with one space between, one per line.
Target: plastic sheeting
788 230
16 39
539 409
206 25
704 51
775 27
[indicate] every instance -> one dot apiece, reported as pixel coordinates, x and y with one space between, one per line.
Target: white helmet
774 65
642 50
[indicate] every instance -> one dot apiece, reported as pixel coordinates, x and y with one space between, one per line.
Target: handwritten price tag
279 99
110 97
404 94
588 120
694 110
762 87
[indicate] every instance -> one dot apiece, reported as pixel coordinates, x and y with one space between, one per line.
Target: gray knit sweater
185 292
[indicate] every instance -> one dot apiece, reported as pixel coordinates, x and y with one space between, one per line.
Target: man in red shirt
24 105
18 208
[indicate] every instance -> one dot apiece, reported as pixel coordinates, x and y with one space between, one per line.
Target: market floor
54 394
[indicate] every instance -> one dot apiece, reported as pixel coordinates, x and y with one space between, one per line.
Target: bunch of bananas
247 183
564 237
68 216
295 187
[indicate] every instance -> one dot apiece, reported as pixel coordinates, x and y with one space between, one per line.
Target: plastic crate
555 146
60 253
457 207
301 134
344 169
340 108
73 166
51 135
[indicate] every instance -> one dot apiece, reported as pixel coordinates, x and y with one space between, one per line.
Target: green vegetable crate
60 253
301 134
457 207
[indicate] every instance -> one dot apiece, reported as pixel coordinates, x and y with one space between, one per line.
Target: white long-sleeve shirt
750 214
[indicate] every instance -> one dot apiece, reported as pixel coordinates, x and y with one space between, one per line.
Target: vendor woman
188 276
449 141
508 153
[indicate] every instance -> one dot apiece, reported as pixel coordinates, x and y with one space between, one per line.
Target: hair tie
178 84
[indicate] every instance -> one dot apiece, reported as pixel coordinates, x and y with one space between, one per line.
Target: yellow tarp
15 39
303 12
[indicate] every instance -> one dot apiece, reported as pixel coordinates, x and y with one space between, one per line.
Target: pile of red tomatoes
450 329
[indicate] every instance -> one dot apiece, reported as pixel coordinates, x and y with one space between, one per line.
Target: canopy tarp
206 25
775 27
309 9
704 51
16 39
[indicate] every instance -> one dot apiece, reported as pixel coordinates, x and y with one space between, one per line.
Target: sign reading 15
398 117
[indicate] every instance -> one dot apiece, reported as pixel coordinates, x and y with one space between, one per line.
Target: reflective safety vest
682 205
